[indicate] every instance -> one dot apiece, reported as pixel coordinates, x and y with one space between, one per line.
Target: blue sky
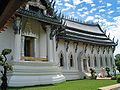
106 12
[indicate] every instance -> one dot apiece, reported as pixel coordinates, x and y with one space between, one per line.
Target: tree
6 67
117 61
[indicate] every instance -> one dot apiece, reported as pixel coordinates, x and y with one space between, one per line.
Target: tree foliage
117 61
6 67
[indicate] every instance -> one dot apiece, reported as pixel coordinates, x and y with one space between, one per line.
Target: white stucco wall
7 40
80 55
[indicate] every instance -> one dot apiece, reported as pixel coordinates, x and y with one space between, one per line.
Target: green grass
72 85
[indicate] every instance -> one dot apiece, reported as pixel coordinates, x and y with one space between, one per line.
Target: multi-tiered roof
89 33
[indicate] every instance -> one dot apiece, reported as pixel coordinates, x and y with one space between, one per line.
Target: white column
92 61
49 44
103 59
22 45
17 49
75 62
87 64
82 66
54 49
98 61
109 62
35 46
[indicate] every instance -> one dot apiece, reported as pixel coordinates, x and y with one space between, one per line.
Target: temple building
48 48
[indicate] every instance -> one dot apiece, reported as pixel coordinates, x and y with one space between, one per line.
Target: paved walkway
111 87
104 78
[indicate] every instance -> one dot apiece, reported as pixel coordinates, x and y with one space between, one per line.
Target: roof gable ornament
50 8
117 41
113 39
57 29
109 35
105 31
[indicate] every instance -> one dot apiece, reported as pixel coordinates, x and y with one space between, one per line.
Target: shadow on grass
15 88
36 86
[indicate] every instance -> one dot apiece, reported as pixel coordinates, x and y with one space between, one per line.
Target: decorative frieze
76 47
92 48
108 49
85 47
30 34
98 49
104 47
67 45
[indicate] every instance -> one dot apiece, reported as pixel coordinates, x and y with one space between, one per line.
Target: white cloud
109 4
92 5
92 10
115 31
76 2
102 10
88 1
65 9
70 5
110 12
89 18
118 1
65 0
82 9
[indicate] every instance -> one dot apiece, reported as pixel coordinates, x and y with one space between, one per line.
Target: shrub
113 78
118 79
92 71
108 72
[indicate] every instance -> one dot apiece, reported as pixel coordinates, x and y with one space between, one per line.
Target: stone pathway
104 78
111 87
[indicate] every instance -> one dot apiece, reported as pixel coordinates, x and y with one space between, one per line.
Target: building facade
48 49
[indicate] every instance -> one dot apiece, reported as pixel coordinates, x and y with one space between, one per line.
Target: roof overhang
9 10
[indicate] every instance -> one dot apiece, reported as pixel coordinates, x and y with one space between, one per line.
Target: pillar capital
48 27
17 25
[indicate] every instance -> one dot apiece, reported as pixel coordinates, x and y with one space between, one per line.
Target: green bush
118 79
113 78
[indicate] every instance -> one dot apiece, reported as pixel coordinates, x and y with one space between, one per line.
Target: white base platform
71 74
31 73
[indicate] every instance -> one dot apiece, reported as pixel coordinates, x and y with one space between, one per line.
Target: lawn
72 85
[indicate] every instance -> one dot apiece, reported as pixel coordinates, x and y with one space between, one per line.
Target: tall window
71 61
106 61
95 62
89 61
111 61
61 60
101 62
85 64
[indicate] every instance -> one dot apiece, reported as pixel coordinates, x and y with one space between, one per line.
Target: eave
9 11
78 39
38 16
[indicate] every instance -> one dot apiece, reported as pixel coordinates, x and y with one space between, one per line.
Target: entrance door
29 47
